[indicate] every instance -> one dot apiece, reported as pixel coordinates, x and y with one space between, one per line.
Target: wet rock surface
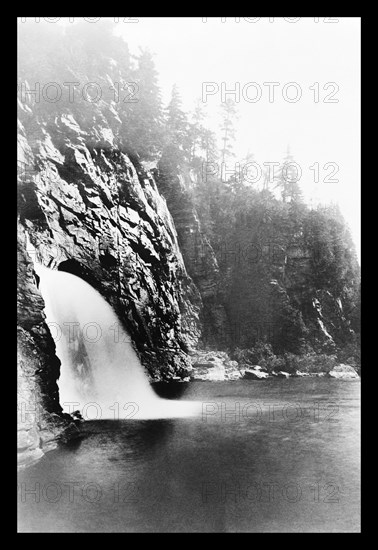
215 366
343 371
255 374
198 254
41 424
85 208
90 211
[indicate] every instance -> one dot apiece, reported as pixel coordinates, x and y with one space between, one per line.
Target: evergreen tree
176 154
287 180
229 114
141 110
178 127
197 134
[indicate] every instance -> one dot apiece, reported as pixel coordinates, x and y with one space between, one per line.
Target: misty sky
191 52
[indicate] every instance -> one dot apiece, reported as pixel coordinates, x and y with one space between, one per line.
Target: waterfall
101 375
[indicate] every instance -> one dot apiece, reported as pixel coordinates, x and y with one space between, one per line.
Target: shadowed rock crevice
41 423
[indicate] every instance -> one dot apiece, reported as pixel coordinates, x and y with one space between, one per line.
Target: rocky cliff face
270 289
199 256
40 419
85 208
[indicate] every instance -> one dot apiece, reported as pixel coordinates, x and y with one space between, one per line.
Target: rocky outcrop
345 372
255 374
214 366
198 254
272 285
85 208
88 210
41 424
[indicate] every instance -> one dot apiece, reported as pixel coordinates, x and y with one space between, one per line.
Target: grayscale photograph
188 274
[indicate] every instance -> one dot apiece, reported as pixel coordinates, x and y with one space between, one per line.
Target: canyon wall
85 208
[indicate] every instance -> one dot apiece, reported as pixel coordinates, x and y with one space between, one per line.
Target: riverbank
217 366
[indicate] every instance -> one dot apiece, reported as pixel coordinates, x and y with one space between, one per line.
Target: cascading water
101 375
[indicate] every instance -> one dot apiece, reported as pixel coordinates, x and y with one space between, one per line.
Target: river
271 456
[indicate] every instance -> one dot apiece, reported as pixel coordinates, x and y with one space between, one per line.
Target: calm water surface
269 456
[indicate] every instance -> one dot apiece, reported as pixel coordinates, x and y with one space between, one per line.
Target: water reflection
230 475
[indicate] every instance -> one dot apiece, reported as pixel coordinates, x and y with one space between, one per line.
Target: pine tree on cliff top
229 114
142 111
177 148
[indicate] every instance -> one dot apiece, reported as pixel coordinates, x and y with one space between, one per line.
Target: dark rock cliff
85 208
40 419
199 256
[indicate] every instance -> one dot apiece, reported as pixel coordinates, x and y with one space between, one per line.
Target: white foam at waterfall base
100 373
